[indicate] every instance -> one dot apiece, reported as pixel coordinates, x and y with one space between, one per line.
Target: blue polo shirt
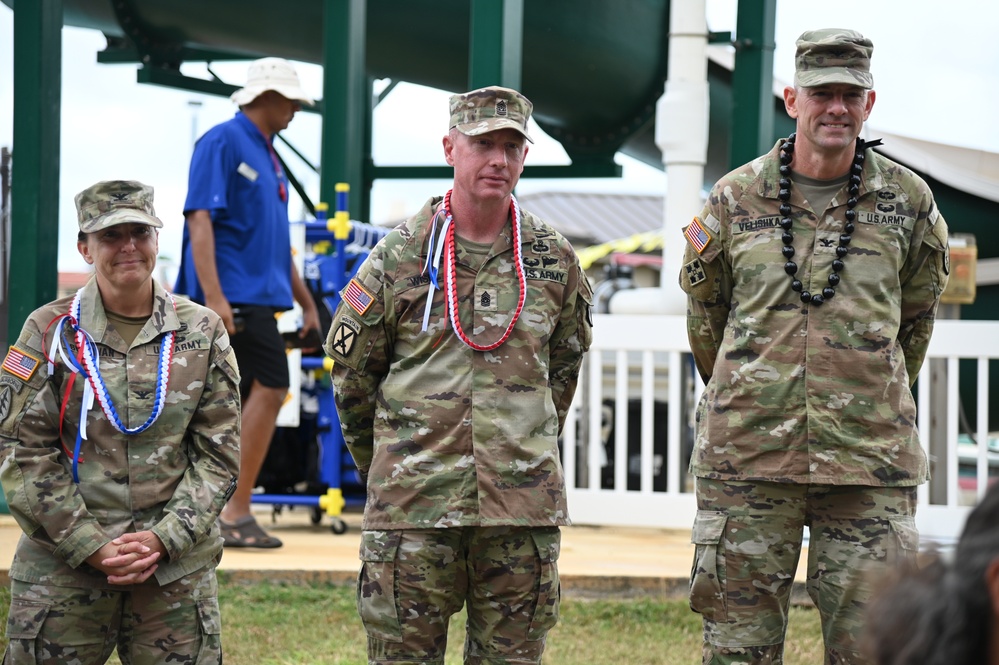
233 177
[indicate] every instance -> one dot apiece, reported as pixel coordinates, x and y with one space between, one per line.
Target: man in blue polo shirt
237 260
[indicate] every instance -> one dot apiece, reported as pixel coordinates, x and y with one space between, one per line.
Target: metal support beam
753 81
496 43
346 96
172 78
583 169
35 190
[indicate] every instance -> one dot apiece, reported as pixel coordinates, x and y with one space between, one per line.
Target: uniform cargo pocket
549 545
24 623
903 544
376 596
211 630
707 574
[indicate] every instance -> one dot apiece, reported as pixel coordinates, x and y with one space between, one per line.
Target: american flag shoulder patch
20 364
358 297
696 235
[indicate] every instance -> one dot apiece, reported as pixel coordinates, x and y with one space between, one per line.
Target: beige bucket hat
275 74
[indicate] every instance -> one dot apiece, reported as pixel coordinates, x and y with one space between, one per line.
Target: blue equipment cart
335 250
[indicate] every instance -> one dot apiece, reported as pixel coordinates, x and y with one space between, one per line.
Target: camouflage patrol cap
488 109
112 202
833 55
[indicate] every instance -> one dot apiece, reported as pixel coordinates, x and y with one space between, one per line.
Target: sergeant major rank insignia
486 300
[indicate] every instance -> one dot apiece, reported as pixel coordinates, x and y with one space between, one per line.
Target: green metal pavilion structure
594 69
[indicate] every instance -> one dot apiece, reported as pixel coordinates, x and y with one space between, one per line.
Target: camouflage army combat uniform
807 417
173 479
459 447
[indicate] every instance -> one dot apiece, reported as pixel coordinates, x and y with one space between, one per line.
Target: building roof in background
965 169
591 219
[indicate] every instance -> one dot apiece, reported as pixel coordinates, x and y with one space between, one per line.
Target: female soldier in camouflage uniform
117 475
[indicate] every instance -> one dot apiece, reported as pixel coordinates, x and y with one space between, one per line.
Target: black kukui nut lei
784 194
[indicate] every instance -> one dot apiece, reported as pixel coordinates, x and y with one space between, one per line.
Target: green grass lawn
267 624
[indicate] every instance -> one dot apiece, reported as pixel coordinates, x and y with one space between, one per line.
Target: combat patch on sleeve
358 297
695 272
696 235
20 363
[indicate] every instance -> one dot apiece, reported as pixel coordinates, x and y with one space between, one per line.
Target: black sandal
245 532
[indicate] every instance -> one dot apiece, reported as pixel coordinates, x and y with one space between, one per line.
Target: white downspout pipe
682 135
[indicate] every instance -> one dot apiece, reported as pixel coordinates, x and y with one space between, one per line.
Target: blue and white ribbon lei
94 385
433 263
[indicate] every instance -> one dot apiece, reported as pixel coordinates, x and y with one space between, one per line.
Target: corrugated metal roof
591 219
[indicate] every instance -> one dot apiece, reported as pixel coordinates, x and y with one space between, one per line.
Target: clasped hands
130 558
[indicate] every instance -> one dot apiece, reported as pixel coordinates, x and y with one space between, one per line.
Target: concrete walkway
611 562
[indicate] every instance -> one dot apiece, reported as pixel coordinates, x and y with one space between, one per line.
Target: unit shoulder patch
695 272
344 336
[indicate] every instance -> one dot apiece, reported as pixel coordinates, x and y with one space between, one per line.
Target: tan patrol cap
833 55
488 109
112 202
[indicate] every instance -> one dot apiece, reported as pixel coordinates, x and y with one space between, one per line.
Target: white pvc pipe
682 135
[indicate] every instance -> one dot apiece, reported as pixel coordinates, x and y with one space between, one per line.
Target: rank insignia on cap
358 297
501 107
20 364
695 272
696 235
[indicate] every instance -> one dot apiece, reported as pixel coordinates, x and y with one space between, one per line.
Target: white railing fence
632 425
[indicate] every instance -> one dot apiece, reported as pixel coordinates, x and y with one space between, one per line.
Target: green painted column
496 43
752 81
34 273
346 97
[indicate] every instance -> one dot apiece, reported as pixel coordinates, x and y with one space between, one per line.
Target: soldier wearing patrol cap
119 441
457 348
813 275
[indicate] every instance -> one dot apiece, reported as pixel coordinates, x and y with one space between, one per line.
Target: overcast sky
936 72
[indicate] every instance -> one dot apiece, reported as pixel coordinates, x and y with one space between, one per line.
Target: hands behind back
129 559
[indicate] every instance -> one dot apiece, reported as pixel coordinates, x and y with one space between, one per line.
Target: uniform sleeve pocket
585 322
707 574
939 260
549 545
376 596
24 624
